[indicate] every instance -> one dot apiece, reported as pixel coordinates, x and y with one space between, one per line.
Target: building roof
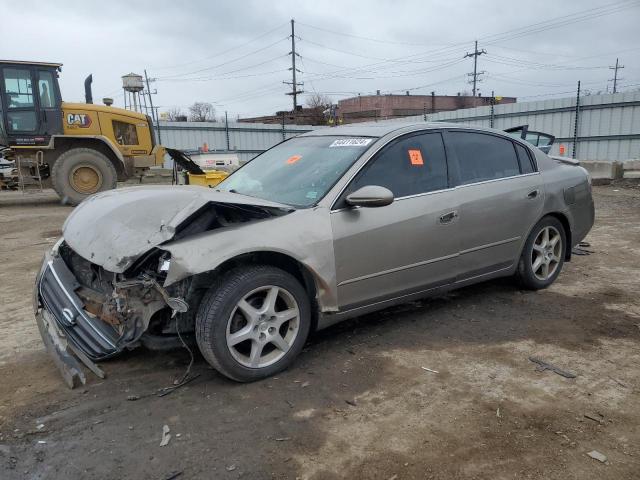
378 129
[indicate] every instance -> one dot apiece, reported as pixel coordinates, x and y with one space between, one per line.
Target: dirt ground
357 404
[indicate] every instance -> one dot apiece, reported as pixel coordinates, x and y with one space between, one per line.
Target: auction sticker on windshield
351 142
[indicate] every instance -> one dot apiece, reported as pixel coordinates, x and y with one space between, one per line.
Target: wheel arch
271 258
100 143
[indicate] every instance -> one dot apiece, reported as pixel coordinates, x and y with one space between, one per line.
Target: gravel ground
357 404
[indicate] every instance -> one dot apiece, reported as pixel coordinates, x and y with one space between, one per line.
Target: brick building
378 107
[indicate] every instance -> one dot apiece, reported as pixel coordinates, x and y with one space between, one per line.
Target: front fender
304 235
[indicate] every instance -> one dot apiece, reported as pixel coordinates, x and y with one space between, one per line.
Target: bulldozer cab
30 103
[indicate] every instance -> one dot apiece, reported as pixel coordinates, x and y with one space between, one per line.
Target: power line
224 52
224 63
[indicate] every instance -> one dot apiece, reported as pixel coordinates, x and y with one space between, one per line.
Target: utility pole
475 73
615 76
154 117
294 84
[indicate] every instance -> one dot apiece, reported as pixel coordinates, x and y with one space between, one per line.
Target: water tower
133 87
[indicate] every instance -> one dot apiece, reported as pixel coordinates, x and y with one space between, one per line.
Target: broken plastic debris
429 370
166 436
231 468
601 457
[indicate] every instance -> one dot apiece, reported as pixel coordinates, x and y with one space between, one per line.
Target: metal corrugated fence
608 127
245 139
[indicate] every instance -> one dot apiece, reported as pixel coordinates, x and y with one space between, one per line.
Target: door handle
533 194
448 217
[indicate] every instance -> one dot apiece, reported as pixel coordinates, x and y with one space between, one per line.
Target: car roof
380 129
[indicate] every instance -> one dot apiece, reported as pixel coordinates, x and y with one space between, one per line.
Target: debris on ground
166 436
596 417
305 384
133 398
498 413
429 370
283 439
542 366
173 475
601 457
231 468
40 427
352 403
622 384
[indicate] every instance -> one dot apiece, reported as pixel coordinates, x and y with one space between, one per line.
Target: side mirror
370 196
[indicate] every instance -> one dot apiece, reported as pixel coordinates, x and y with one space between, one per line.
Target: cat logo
81 120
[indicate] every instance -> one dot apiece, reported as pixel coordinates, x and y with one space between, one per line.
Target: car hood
114 228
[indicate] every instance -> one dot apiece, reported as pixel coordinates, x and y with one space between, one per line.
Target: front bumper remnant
62 323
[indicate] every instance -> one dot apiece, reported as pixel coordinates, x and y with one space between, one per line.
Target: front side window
18 90
297 172
483 157
46 89
125 133
408 166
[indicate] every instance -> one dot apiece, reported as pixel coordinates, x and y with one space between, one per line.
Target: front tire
81 172
543 254
253 323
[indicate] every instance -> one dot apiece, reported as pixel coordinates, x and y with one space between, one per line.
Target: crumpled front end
85 313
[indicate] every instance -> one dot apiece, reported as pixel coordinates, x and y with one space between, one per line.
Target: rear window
483 157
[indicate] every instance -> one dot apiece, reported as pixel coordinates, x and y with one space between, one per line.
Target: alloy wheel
546 253
263 326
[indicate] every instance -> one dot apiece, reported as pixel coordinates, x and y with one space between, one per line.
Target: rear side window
526 164
483 157
408 166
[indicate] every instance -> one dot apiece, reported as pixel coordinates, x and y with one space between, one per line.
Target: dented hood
112 229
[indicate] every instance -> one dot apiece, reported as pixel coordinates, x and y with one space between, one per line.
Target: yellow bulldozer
77 148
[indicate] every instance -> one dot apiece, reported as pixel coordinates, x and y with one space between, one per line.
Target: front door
19 100
31 104
408 246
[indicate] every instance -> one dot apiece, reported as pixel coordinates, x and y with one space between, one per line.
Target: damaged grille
91 335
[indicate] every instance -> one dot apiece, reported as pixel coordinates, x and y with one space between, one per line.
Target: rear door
408 246
501 197
49 102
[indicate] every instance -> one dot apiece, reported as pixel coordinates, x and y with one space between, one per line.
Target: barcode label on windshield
351 142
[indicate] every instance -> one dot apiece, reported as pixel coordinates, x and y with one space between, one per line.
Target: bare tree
175 114
317 104
319 100
202 112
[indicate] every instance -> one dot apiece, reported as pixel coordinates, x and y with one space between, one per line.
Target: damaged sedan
329 225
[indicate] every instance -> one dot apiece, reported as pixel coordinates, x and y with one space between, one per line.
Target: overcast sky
234 54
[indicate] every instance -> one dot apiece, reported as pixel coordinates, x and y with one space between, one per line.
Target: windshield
297 172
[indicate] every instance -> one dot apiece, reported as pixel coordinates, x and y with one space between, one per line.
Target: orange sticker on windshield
415 156
293 159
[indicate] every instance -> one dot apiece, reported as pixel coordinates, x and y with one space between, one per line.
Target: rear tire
543 254
253 322
81 172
